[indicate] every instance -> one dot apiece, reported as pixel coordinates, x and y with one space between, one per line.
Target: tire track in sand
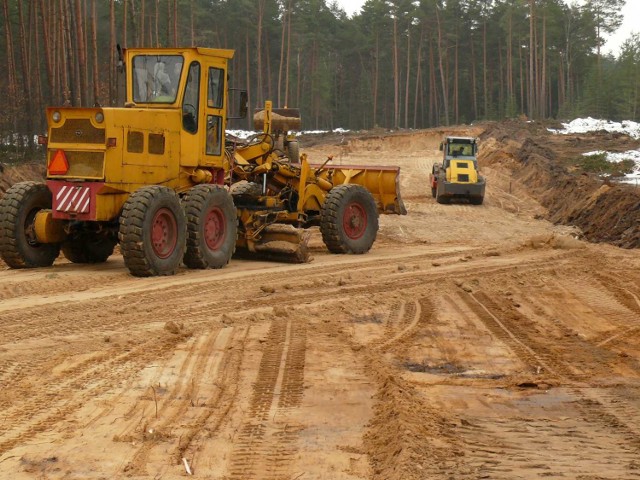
603 421
265 445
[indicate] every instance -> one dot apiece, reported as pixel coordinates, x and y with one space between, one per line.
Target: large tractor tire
442 199
152 232
212 227
88 248
245 193
19 247
349 220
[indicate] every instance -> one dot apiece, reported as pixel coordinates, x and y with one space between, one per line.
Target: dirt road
471 342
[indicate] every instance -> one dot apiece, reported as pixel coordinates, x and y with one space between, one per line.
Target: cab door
215 118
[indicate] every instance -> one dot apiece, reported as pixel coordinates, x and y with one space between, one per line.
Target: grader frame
159 177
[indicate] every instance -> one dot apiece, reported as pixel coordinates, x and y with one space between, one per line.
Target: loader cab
459 147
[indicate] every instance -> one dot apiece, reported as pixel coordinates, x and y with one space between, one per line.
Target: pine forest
395 64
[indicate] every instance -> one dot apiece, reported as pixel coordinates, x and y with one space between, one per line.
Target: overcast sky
631 15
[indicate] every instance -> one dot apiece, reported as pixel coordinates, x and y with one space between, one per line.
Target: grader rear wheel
19 247
212 227
152 232
349 220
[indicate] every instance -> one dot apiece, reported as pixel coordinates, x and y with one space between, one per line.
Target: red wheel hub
214 228
354 221
164 233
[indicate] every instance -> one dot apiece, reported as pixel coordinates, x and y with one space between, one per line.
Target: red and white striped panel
73 199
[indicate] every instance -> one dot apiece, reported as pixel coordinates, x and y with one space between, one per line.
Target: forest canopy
396 64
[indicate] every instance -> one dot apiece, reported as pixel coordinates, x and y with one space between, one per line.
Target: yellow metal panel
108 206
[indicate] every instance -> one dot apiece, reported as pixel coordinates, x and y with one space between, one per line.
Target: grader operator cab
159 177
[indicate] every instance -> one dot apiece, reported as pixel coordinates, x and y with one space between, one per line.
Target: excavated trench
605 212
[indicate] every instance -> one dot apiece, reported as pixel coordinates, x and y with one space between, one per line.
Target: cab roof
461 139
210 52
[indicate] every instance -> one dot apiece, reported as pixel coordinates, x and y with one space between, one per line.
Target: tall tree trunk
94 47
260 86
456 86
112 51
406 93
441 54
532 47
543 80
192 26
268 76
175 23
432 87
375 80
522 81
396 80
11 63
69 71
474 80
418 78
248 73
39 87
485 86
125 15
510 56
47 47
286 76
82 55
282 43
27 103
298 79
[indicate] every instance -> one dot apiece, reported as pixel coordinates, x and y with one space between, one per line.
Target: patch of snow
586 125
244 134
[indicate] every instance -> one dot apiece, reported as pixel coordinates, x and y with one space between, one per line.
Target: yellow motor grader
160 177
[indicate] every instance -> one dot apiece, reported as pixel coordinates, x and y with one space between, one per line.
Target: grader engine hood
117 145
100 155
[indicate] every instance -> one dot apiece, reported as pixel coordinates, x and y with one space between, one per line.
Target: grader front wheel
349 220
19 247
212 227
152 232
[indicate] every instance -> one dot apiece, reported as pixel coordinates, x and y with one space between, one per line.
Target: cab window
191 99
215 93
156 78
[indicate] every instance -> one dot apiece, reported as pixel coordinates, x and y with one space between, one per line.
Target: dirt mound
10 174
604 212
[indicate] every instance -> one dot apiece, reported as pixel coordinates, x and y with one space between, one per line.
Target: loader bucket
282 119
382 182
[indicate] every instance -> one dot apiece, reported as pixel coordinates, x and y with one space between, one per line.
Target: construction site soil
498 341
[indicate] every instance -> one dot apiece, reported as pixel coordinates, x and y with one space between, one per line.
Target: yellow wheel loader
458 175
160 177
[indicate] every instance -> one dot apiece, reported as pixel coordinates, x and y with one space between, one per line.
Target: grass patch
599 164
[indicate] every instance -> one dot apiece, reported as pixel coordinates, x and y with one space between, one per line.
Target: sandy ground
471 342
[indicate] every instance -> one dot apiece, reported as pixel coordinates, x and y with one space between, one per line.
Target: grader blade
281 243
382 182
